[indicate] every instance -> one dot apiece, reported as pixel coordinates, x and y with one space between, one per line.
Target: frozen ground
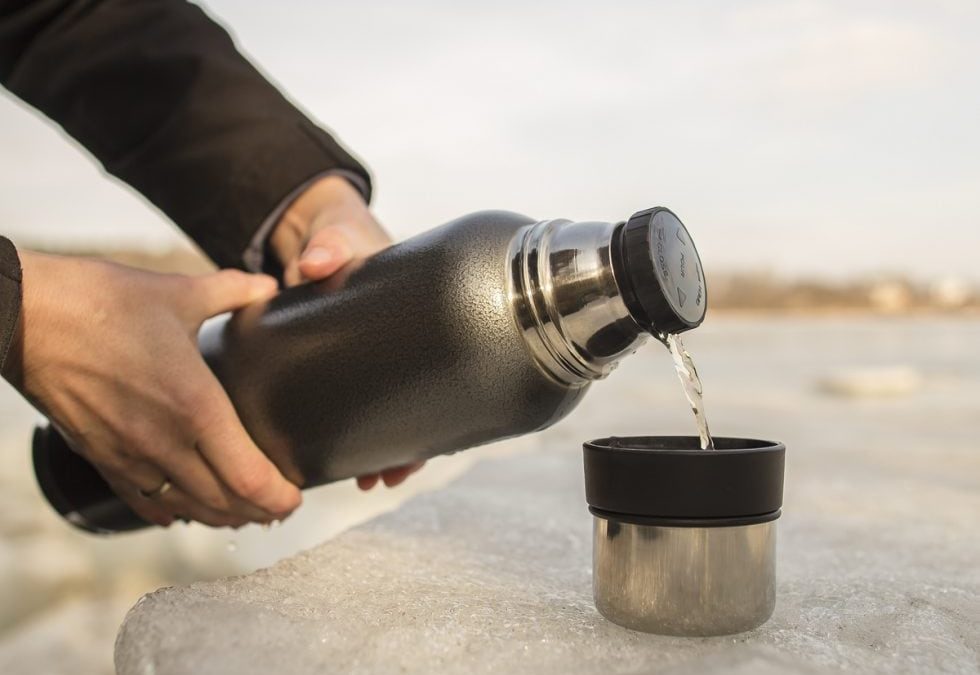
492 575
878 549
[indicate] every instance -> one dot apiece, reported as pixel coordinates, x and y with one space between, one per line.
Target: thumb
228 290
327 251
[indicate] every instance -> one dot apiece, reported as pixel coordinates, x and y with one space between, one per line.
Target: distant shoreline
816 312
730 293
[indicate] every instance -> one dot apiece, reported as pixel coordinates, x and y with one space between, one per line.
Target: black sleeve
9 296
158 93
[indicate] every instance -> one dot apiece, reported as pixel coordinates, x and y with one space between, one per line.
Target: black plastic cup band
670 477
654 521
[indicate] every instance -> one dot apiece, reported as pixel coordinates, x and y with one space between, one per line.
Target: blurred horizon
823 140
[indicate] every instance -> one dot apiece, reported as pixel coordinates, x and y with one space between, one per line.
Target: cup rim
639 445
642 476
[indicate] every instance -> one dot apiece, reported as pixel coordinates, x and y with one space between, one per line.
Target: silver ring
150 494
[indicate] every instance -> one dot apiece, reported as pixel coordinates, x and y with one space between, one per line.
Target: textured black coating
417 353
670 477
635 269
412 354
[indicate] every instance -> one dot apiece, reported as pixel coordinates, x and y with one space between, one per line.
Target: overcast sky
834 138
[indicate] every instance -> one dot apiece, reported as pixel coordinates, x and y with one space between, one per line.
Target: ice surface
492 574
879 556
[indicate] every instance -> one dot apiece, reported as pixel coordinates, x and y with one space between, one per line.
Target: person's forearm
159 94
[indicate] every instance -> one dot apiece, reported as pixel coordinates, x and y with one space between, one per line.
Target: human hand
326 228
110 355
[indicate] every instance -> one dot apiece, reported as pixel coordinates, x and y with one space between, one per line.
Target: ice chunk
872 382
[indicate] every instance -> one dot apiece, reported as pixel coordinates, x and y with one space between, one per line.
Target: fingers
397 476
326 252
126 490
227 290
391 477
164 507
368 481
291 275
127 476
184 506
197 480
238 462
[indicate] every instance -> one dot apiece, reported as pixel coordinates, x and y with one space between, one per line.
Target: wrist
56 301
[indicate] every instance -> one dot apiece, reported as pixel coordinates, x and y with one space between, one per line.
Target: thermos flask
491 326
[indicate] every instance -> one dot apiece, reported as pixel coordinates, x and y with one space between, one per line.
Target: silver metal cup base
687 581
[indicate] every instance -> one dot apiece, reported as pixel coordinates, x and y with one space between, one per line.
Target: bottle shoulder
490 225
494 217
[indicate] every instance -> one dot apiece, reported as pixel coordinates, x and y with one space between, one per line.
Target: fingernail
318 255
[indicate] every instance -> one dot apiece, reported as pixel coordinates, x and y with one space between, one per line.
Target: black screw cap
659 272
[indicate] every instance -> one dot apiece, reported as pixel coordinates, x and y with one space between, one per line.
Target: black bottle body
491 326
414 353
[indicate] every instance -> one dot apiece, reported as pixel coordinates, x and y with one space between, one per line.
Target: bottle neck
567 301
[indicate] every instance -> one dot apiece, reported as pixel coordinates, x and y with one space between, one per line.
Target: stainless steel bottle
491 326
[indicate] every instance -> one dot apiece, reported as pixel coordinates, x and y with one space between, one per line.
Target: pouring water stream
691 384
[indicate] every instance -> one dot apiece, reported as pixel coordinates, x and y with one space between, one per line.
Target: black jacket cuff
223 214
10 296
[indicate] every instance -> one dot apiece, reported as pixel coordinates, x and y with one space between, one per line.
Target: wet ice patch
877 382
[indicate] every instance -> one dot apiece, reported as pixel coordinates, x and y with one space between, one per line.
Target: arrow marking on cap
681 296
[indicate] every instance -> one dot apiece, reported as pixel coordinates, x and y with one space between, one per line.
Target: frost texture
492 574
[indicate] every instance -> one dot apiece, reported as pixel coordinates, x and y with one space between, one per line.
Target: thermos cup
684 539
491 326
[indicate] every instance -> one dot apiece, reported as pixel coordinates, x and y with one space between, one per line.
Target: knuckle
231 274
230 277
186 396
326 236
291 228
193 398
185 285
215 500
142 443
111 461
252 484
184 290
203 414
156 452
